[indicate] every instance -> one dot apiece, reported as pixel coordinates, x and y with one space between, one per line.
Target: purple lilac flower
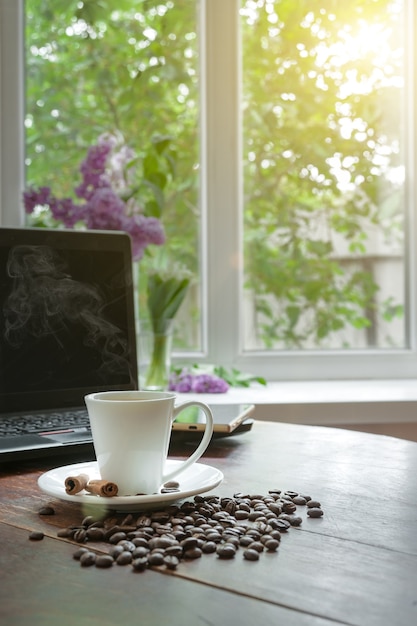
209 383
104 183
181 383
93 170
33 198
66 211
119 175
144 231
184 382
105 210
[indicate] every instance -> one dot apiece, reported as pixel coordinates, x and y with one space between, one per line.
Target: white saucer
196 479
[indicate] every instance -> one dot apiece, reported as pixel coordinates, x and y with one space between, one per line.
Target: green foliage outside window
132 67
315 106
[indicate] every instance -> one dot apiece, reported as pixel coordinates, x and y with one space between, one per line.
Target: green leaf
165 293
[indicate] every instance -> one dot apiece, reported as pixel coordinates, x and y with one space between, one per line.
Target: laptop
67 328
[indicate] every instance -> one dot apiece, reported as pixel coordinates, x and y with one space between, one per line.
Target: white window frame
221 199
11 113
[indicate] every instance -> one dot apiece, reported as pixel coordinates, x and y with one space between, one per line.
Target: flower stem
158 371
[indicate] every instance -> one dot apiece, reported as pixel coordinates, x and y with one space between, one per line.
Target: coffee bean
66 533
256 545
189 543
125 558
161 542
275 508
116 537
209 547
251 555
299 500
187 506
175 550
97 524
230 507
291 494
95 534
254 533
271 545
275 534
280 524
140 552
140 542
104 560
255 515
36 535
127 545
87 559
265 538
78 553
87 521
110 530
80 535
171 562
156 558
192 553
263 528
143 521
315 512
115 551
172 484
235 541
162 517
140 564
180 535
205 525
226 551
246 540
128 520
289 507
46 510
214 536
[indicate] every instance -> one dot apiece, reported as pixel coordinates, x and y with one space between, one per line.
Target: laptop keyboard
44 423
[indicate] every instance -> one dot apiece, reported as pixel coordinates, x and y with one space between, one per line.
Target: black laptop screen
66 316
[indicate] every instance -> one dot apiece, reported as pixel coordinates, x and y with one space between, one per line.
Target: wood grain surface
356 565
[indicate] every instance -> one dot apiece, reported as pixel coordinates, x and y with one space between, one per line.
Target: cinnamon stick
102 488
75 484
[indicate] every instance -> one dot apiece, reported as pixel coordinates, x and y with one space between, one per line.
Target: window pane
324 174
128 68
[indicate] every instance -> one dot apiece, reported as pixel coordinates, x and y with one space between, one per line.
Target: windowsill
329 403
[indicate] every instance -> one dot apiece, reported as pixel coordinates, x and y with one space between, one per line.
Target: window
130 70
300 181
324 165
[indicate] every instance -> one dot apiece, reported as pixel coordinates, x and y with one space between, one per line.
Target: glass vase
154 355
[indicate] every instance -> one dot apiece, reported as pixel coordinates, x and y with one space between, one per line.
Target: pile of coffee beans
223 526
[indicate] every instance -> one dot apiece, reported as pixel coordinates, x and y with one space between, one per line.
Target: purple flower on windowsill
106 195
182 384
197 383
209 383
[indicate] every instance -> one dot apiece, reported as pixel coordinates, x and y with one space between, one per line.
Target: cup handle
208 432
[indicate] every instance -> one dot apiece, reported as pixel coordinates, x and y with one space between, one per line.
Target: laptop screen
66 316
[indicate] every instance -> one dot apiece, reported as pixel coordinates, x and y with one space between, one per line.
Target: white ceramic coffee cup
131 432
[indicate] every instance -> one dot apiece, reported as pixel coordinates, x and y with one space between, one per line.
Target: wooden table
355 565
